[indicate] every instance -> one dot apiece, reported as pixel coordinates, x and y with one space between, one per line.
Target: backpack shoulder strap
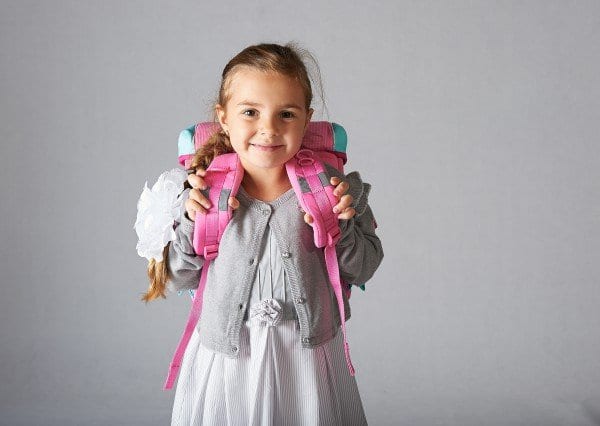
223 178
311 184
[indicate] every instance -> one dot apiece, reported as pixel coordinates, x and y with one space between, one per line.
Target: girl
267 349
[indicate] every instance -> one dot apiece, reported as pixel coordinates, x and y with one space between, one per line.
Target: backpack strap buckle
333 236
211 251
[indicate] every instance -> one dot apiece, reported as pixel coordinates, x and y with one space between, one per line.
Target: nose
268 126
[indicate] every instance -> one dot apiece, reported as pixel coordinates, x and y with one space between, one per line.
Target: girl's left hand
343 206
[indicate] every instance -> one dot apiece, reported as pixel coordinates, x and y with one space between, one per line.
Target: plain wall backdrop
476 122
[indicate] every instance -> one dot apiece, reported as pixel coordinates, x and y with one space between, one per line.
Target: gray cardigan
231 274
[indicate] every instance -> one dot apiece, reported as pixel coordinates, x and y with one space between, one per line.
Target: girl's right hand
197 202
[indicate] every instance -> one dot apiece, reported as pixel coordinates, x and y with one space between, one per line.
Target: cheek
243 132
235 142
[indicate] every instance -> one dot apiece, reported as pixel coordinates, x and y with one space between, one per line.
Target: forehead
263 87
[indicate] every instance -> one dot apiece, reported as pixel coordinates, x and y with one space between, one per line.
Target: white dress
274 381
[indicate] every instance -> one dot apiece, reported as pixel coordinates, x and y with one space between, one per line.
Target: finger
200 172
233 203
347 214
345 201
341 189
197 182
199 197
192 208
308 218
334 180
193 205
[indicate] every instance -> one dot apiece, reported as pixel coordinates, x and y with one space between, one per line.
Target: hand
343 206
196 201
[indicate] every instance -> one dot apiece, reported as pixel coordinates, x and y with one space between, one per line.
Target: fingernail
336 210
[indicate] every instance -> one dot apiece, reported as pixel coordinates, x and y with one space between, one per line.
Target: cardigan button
286 254
306 339
300 300
234 349
251 261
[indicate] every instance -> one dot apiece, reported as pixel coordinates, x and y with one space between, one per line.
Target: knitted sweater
232 273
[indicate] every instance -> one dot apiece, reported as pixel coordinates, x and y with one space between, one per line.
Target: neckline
249 201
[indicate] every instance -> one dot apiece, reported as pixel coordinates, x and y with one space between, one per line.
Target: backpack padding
340 138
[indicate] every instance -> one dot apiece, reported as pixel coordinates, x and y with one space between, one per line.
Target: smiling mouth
266 147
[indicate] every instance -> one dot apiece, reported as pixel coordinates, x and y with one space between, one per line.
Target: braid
217 144
158 272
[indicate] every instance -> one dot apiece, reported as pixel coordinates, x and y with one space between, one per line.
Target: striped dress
274 381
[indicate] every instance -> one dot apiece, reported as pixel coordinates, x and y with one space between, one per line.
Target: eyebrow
255 104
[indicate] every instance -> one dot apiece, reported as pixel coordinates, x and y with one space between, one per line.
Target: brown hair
286 60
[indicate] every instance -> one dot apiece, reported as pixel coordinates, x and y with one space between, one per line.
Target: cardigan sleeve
359 249
183 263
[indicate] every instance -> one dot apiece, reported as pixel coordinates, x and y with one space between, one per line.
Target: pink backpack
323 142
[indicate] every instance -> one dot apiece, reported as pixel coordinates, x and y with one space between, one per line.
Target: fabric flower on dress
266 311
157 210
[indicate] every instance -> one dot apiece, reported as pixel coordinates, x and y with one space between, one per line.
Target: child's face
265 117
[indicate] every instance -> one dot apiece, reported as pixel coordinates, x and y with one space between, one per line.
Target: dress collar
249 201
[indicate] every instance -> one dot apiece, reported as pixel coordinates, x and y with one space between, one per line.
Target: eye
249 112
287 114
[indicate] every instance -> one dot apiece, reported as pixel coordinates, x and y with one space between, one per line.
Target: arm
359 249
183 263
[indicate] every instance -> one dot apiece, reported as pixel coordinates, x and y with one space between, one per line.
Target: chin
267 163
273 165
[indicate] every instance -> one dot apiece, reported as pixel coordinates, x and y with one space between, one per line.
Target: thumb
233 203
308 218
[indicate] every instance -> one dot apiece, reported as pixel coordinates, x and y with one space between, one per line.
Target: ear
221 116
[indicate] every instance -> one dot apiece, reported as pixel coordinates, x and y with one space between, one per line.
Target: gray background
476 122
